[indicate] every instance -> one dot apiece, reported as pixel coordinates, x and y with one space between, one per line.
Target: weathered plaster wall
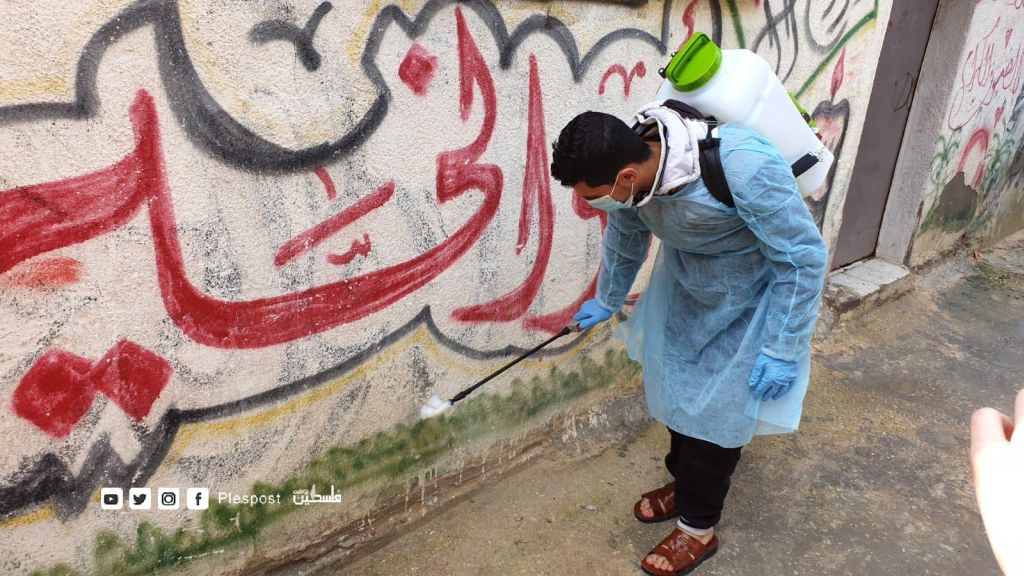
242 242
968 128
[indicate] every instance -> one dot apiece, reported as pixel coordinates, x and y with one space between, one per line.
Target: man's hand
591 313
997 457
771 378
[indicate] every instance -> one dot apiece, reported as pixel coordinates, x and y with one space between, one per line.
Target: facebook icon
197 498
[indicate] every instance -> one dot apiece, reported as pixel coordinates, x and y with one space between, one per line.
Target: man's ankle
704 535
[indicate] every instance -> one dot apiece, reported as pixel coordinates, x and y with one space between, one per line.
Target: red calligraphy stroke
536 191
316 235
627 79
49 216
838 73
555 321
44 217
328 182
688 19
358 248
980 140
45 272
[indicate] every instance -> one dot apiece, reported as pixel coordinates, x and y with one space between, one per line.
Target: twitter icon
140 499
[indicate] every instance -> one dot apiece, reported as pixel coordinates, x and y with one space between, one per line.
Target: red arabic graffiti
278 319
49 216
316 235
59 387
627 78
536 191
986 76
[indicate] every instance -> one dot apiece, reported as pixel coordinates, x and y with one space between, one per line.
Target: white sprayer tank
739 86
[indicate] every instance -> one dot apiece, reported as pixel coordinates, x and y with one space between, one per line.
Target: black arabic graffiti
225 138
302 38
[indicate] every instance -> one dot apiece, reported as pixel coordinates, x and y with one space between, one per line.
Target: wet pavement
877 480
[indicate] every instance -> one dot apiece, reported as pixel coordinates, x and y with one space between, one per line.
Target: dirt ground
876 481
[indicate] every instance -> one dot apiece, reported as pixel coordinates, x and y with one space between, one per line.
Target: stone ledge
854 290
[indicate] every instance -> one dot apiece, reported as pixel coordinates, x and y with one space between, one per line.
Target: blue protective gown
727 284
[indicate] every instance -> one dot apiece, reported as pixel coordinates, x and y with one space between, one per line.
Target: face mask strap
631 200
631 184
607 203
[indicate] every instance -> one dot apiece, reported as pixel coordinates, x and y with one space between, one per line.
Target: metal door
899 66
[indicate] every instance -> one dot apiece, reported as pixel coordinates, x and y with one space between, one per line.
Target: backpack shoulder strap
711 168
684 110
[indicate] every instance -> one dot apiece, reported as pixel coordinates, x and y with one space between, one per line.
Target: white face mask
607 203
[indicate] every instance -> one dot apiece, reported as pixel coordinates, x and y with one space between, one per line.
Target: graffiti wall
974 189
242 242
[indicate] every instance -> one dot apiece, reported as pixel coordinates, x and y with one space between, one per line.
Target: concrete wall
960 169
242 242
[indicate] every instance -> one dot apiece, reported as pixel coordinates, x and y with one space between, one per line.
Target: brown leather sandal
663 504
683 552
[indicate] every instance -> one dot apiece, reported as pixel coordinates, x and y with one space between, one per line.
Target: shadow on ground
877 480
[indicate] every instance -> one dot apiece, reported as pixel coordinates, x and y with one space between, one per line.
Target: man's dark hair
593 147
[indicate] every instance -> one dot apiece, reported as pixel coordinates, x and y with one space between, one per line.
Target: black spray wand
435 405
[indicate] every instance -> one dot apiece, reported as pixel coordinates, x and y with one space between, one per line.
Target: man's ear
629 175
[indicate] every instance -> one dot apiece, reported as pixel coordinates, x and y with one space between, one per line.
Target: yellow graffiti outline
44 512
421 337
25 89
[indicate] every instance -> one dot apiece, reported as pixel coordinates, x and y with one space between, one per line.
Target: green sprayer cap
694 64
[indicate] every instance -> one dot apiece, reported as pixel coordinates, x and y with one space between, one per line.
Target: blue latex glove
771 378
591 314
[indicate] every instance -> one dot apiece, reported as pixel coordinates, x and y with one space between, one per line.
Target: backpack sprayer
740 86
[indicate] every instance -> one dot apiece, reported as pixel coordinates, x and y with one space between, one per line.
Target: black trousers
702 471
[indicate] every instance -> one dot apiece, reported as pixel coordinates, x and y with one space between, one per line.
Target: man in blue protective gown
723 329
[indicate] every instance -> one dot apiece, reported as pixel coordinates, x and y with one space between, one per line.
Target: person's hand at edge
997 460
